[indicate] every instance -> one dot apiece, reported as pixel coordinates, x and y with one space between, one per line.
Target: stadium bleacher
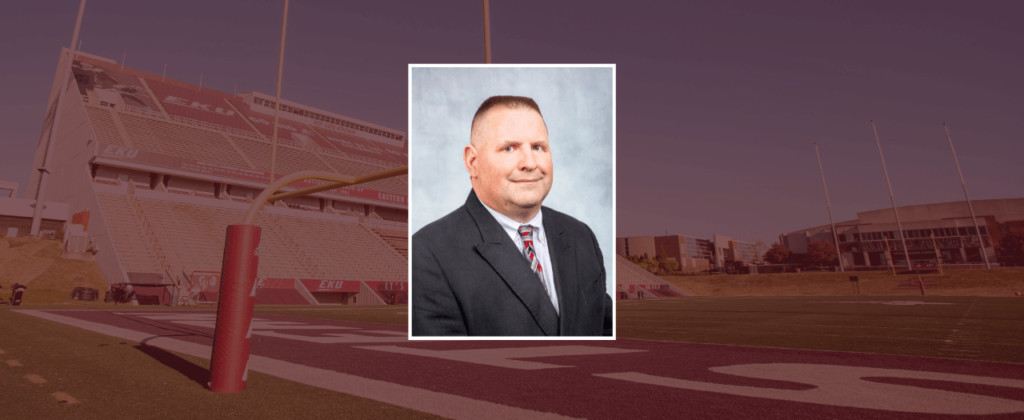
103 124
398 239
175 164
635 282
134 250
173 139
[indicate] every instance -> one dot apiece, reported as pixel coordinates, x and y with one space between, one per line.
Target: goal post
229 363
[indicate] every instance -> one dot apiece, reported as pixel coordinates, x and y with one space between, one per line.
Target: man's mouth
525 180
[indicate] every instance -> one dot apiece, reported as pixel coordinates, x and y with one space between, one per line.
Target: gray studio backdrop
577 107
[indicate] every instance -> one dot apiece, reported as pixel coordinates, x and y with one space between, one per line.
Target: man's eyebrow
507 143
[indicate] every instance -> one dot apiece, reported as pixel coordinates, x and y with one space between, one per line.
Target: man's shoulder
565 222
445 226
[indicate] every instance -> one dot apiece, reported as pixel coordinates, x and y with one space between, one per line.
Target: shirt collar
512 226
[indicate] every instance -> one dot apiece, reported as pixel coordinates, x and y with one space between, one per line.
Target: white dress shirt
540 246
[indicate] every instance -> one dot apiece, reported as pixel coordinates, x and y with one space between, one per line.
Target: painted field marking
268 308
844 386
431 402
504 357
335 338
13 363
884 302
210 321
269 328
64 398
36 379
959 343
401 333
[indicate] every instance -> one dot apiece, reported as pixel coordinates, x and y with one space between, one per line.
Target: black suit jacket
470 278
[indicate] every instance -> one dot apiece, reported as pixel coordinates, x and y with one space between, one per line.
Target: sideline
437 403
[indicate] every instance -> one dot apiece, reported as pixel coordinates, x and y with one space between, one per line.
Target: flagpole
277 102
899 226
977 229
835 236
487 32
44 170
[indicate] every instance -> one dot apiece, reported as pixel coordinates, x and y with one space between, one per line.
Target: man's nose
528 162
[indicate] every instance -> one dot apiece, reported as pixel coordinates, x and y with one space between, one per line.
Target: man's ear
469 157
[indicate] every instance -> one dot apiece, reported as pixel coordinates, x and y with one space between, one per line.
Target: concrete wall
71 181
23 207
638 245
670 246
24 225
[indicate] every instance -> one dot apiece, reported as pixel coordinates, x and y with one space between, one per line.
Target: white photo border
411 136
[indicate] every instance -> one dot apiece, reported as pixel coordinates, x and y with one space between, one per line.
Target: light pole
828 203
899 227
44 176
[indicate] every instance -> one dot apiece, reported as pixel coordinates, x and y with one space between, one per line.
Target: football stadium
118 280
154 170
933 233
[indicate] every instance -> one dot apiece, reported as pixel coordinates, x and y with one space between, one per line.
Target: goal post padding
229 363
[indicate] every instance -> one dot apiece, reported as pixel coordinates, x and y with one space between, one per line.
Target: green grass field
996 282
111 378
129 380
115 379
973 328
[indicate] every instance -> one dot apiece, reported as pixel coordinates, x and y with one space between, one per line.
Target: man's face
509 161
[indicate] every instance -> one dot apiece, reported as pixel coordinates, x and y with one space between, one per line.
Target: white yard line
437 403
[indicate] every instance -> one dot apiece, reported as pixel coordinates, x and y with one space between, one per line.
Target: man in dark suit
502 264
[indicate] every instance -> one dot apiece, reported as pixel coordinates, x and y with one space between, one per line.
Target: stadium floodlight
487 32
977 229
835 237
229 362
899 227
277 101
37 215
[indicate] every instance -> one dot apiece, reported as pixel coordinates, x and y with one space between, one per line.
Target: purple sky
718 105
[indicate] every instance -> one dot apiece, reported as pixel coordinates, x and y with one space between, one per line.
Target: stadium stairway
135 251
396 238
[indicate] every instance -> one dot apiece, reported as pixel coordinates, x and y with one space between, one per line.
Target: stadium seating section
192 238
172 139
635 282
182 236
153 134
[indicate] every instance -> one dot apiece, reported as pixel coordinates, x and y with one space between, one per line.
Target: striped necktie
526 232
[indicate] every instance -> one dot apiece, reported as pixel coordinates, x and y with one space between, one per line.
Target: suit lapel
564 260
508 261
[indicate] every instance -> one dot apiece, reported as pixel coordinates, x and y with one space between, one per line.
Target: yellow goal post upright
229 363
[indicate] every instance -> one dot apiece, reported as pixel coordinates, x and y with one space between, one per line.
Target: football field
765 357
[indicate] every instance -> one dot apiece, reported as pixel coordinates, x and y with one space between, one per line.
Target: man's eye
508 148
538 148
